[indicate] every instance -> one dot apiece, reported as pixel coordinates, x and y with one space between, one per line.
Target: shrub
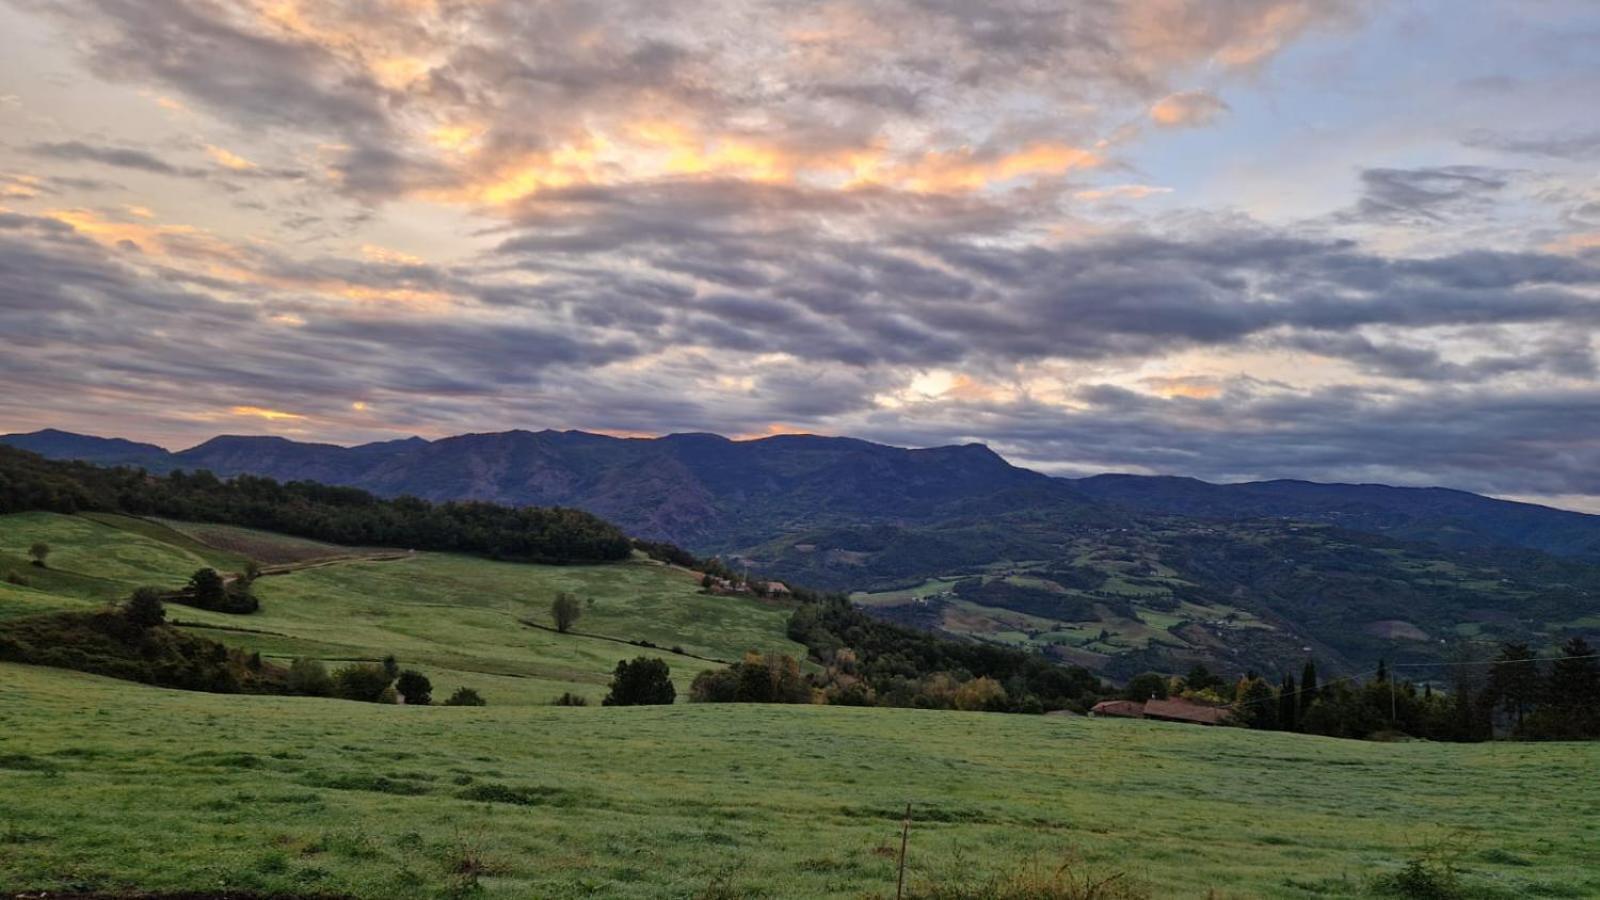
143 609
565 610
207 588
715 686
309 677
415 687
18 579
365 682
571 699
40 551
646 681
981 694
465 696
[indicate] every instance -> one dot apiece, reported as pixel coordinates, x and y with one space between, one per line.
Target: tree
565 609
465 696
1200 678
361 681
1514 680
1574 689
1288 705
40 551
1147 686
715 686
415 687
391 667
644 681
1308 683
1257 706
143 609
208 589
982 693
309 677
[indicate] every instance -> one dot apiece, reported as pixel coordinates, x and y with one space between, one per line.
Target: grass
107 784
457 619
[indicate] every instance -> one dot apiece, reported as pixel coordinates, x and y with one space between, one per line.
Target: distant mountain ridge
1121 573
713 494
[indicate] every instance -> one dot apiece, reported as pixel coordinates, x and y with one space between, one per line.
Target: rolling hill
458 619
1120 573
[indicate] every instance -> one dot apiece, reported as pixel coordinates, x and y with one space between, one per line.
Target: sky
1339 240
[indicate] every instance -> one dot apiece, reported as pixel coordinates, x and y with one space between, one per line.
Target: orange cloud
261 412
1190 387
1187 109
228 159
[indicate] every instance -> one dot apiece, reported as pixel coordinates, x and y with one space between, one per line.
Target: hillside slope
458 619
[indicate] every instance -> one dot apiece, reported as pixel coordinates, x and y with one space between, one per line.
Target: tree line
1517 695
338 515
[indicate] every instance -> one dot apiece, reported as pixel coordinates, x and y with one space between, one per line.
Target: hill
458 619
111 785
701 491
713 494
1118 573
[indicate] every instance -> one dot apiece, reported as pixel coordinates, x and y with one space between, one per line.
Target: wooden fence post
905 835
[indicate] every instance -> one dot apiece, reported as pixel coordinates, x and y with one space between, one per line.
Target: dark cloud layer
752 215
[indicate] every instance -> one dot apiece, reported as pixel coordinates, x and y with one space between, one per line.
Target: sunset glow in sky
1326 239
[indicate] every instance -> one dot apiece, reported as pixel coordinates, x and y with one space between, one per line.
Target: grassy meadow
109 785
117 786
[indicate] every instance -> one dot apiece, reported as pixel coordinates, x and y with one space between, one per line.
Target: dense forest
306 509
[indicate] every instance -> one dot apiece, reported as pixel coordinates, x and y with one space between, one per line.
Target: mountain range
713 494
1115 571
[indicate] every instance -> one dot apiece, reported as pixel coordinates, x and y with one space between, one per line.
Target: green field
457 619
109 784
117 786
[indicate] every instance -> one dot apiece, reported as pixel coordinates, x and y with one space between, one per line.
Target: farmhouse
1176 710
1179 710
1120 709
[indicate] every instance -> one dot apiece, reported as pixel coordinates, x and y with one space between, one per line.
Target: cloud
1570 146
1426 194
1187 109
119 157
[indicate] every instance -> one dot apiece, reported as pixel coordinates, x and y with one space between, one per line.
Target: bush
415 687
365 682
309 677
208 588
571 699
465 696
40 551
144 609
715 686
565 610
646 681
17 579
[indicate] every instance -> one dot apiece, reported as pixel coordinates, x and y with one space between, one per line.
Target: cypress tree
1574 688
1288 705
1514 680
1308 683
1383 670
